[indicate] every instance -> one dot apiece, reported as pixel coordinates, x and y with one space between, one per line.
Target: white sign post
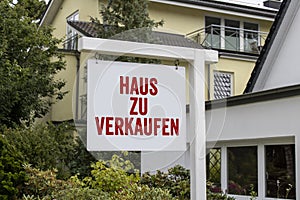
197 59
135 107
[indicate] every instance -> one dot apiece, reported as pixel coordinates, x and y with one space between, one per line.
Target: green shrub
42 183
81 160
79 194
113 175
218 196
48 146
176 180
12 175
115 179
143 192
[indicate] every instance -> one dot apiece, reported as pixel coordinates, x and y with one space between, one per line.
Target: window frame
70 32
231 82
261 164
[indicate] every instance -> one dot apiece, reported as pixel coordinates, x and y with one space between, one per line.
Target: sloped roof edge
50 12
53 6
267 46
260 11
89 29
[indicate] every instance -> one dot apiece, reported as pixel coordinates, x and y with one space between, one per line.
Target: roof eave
79 30
265 95
51 11
225 7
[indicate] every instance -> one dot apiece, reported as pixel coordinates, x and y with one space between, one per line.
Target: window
267 167
222 84
242 170
232 35
251 41
213 169
280 171
213 32
71 42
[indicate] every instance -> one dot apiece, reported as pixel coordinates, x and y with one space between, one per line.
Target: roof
252 3
265 95
89 29
54 5
236 7
268 45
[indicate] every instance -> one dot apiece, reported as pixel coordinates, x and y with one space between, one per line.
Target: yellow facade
241 71
63 110
86 9
177 19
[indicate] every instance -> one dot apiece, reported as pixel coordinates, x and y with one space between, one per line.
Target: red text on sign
142 106
137 126
138 86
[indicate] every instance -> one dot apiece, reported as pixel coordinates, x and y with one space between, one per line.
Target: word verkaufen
137 88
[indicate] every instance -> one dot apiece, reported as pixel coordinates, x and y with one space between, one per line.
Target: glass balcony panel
232 35
229 38
251 42
232 40
213 41
251 38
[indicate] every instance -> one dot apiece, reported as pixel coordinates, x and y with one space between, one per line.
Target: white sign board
135 107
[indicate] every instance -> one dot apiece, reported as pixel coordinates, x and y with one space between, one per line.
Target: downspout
77 55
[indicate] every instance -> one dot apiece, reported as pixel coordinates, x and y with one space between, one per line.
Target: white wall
286 67
263 120
281 67
257 121
274 118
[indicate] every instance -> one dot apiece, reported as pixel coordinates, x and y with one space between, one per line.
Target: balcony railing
229 38
71 43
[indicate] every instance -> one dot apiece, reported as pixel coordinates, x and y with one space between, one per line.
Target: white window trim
260 143
71 17
242 36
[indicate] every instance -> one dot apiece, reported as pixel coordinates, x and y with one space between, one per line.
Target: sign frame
197 58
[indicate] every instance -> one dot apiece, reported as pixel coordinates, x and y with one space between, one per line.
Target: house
255 136
237 31
252 139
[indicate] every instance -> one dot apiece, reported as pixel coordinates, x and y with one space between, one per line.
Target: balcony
71 43
229 39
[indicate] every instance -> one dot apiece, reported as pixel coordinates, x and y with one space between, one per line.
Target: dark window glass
250 26
213 32
242 170
213 169
212 23
280 171
231 27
